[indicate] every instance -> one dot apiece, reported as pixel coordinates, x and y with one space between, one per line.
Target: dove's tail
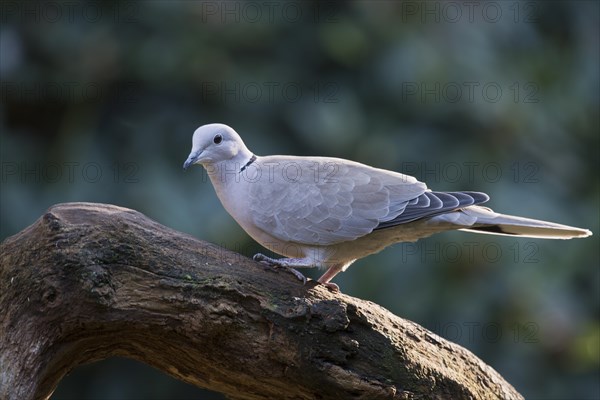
484 220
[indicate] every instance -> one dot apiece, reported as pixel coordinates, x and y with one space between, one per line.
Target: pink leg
328 275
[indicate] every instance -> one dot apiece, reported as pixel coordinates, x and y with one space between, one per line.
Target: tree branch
89 281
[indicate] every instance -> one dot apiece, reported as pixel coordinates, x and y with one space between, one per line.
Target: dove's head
214 143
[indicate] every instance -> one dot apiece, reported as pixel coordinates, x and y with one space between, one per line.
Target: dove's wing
433 203
323 201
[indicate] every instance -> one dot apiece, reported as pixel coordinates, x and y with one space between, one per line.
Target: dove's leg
287 263
329 274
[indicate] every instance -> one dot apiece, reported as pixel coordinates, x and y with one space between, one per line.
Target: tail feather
483 220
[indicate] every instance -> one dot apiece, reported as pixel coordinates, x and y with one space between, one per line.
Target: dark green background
100 99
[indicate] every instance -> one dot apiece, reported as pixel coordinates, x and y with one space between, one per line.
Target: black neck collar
252 159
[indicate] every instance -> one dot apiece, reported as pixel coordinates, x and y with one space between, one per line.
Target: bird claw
261 258
331 286
297 274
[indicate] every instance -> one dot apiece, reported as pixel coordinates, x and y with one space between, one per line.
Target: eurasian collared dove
329 212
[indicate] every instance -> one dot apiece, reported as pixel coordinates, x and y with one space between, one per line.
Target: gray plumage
321 211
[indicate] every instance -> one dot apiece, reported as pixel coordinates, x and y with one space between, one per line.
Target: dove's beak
193 157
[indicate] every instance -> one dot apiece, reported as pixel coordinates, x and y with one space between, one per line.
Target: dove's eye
218 139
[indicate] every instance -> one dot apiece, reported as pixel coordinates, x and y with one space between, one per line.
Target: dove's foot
328 276
331 286
287 263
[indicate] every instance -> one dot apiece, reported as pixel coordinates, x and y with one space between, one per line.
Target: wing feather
434 203
324 209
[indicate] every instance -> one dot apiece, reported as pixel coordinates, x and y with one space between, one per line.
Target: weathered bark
89 281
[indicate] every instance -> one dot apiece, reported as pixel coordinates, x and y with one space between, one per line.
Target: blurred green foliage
100 99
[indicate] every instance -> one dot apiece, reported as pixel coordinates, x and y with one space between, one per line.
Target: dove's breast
234 194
